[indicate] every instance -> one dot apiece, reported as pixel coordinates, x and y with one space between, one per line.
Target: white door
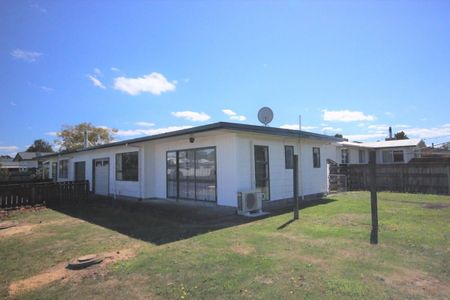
101 176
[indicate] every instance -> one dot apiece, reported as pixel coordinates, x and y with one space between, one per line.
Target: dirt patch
416 282
243 249
60 272
435 205
27 228
7 224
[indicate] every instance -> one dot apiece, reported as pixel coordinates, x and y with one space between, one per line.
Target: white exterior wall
315 180
408 154
234 165
116 187
226 171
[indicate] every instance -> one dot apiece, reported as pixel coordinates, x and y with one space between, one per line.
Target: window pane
398 156
127 166
289 157
387 156
316 157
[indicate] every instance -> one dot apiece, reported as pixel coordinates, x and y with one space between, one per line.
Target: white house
209 163
387 152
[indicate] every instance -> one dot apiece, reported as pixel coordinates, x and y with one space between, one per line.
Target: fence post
295 182
373 197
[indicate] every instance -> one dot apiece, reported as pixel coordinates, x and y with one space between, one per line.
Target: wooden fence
426 178
50 193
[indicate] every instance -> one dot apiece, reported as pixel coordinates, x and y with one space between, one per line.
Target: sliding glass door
191 174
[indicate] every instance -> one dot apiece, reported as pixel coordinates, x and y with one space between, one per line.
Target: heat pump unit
250 203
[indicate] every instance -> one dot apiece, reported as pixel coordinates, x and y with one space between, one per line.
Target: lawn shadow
161 221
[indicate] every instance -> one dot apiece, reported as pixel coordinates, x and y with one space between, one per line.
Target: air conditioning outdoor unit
250 203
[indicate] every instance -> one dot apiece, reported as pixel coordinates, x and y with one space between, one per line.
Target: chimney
85 142
390 132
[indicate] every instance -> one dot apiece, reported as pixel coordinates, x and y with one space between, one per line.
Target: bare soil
60 272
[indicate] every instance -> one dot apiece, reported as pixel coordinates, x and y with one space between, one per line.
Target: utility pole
373 197
295 179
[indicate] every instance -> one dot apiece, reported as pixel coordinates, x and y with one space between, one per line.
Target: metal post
295 182
373 197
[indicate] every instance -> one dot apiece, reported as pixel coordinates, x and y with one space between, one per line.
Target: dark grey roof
30 155
214 126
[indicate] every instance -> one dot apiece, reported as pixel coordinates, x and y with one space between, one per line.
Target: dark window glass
127 166
398 156
289 157
54 170
80 170
316 157
362 156
63 168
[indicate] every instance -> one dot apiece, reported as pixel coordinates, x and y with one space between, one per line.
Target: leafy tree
71 137
40 146
338 135
401 135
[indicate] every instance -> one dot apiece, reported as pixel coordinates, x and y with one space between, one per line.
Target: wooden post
373 196
295 182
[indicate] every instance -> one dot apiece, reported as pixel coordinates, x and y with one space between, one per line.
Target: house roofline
209 127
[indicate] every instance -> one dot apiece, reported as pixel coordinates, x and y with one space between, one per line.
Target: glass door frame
268 169
177 180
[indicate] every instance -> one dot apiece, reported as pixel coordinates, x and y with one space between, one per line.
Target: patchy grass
324 255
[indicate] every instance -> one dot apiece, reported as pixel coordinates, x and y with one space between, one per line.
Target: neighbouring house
387 152
209 163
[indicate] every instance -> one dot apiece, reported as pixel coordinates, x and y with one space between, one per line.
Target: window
127 166
398 155
344 156
191 174
289 157
387 156
362 156
54 170
316 157
80 170
63 168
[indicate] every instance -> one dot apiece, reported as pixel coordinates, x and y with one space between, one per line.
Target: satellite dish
265 115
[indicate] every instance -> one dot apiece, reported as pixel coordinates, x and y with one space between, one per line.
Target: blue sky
353 67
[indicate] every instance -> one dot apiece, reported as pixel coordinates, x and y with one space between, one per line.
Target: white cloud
96 82
136 132
331 129
434 132
346 116
233 115
8 148
238 118
154 83
47 89
379 127
114 69
12 103
145 124
295 127
363 137
28 56
389 114
229 112
38 7
97 71
52 133
192 115
401 126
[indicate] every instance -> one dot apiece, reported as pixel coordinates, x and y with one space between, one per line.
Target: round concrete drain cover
84 261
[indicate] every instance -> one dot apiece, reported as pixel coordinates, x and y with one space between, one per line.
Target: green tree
71 137
401 135
338 135
40 146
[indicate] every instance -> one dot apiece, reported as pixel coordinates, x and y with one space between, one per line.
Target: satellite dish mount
265 115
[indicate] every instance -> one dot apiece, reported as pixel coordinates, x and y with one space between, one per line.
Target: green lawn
326 254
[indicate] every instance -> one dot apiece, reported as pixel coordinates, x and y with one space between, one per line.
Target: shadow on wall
160 222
